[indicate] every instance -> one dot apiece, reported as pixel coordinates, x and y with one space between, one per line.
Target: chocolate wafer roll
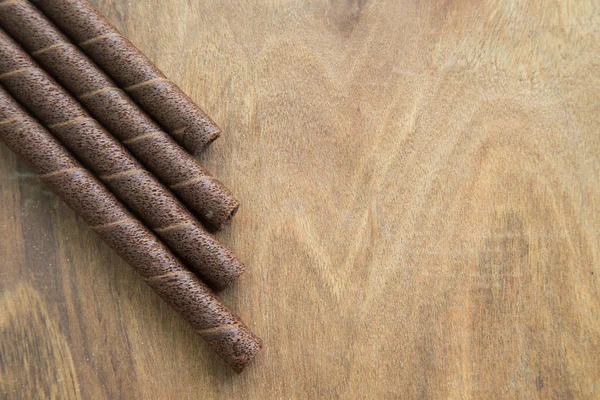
133 71
84 193
119 170
204 195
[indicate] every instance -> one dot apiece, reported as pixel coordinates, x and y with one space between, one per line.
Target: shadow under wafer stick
84 193
205 196
161 98
114 165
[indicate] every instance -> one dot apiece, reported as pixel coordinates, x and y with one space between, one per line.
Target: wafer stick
133 71
115 166
204 195
84 193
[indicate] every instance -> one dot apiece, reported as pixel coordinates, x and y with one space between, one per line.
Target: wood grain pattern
420 209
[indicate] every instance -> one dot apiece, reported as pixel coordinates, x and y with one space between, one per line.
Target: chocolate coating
208 198
132 70
107 157
228 336
92 201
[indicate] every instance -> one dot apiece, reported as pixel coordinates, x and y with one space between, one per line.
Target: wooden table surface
420 189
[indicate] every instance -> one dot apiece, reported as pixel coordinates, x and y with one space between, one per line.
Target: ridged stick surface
115 166
134 72
95 204
205 196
